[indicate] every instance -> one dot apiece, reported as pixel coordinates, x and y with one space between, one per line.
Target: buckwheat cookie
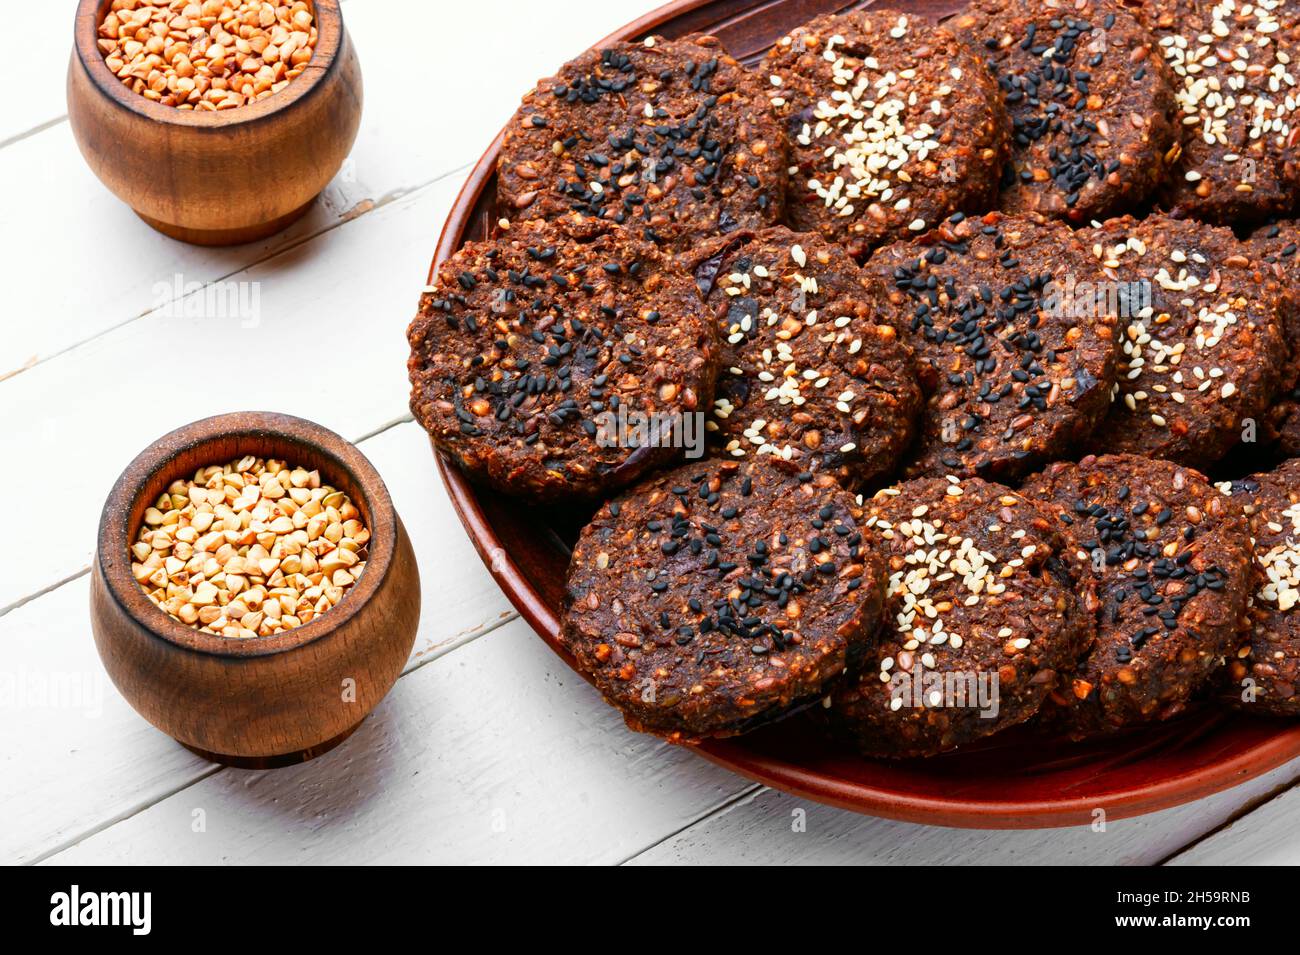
810 371
893 126
1089 99
1204 355
672 138
1019 355
1284 424
721 595
982 615
554 366
1233 64
1274 252
1169 559
1264 674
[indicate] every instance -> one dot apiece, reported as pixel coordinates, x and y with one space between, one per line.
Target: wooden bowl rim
112 555
733 754
330 38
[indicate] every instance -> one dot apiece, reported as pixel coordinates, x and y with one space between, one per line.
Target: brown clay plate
1011 782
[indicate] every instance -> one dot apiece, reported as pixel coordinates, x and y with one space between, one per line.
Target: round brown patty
672 138
1091 104
893 125
1274 251
1284 423
1234 73
1264 674
1019 374
1168 559
554 367
1203 348
810 371
981 598
719 595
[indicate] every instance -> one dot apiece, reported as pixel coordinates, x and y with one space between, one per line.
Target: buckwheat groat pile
207 54
673 139
249 549
893 126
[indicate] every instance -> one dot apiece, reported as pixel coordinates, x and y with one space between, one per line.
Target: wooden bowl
217 178
1013 781
262 701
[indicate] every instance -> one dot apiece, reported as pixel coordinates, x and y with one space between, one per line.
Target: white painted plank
329 345
494 753
459 598
34 65
79 262
77 757
433 102
763 829
1268 836
72 752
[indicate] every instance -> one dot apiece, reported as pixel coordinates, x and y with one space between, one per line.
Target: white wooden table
488 749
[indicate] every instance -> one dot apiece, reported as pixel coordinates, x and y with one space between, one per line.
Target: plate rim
1278 748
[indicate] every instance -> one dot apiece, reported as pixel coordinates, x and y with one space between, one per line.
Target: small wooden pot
217 178
262 701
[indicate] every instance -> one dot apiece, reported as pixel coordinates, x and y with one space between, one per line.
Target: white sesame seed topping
1281 564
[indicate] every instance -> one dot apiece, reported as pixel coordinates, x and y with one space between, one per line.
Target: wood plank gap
360 209
751 791
210 770
404 419
45 590
1240 814
19 137
396 422
463 639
